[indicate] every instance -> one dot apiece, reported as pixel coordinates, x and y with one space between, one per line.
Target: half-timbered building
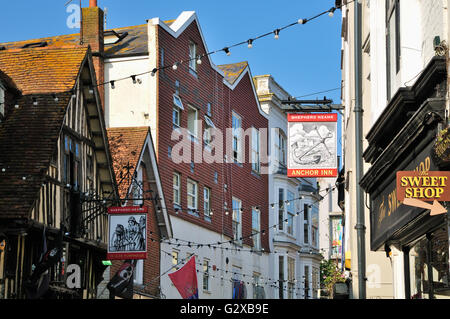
56 176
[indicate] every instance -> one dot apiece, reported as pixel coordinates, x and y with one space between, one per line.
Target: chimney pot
92 3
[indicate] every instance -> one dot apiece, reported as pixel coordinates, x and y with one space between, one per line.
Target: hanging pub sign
127 233
312 142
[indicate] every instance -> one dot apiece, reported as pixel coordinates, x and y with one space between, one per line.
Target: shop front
404 139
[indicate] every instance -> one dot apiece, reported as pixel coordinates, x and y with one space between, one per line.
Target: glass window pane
419 270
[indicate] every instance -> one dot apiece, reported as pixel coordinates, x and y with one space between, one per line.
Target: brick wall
207 87
92 30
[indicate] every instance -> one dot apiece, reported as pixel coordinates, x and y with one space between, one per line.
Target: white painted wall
127 104
249 263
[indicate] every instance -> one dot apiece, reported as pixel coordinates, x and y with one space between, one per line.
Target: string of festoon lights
249 42
227 275
266 281
218 245
227 49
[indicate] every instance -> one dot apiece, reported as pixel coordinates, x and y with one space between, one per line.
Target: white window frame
176 188
256 229
290 212
194 195
256 167
291 278
281 208
237 137
306 281
207 134
138 273
206 275
255 283
207 201
281 147
177 108
193 56
314 230
195 133
237 220
307 224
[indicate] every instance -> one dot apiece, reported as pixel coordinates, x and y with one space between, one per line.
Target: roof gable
133 146
126 145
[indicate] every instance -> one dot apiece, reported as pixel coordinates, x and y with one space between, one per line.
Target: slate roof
233 71
28 139
136 42
43 70
125 144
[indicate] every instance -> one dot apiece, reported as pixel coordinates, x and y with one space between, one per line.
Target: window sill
207 218
256 174
237 163
192 212
193 72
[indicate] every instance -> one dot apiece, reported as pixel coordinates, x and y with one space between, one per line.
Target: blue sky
305 59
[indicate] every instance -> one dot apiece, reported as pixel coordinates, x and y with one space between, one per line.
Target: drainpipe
360 227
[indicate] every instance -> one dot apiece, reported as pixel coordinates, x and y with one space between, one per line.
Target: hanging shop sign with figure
312 143
127 233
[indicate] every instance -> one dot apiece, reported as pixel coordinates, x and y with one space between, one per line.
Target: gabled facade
133 147
200 195
55 173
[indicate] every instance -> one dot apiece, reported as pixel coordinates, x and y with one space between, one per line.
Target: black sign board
388 215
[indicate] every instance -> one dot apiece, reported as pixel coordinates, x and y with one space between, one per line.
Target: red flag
185 280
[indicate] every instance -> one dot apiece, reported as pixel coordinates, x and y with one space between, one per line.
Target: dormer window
35 45
112 37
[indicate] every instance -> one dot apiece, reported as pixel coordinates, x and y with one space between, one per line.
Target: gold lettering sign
393 201
423 185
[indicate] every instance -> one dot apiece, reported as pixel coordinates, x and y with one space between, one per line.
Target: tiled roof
28 139
233 71
125 144
43 70
136 42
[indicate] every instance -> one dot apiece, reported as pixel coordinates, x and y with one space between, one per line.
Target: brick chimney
92 28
